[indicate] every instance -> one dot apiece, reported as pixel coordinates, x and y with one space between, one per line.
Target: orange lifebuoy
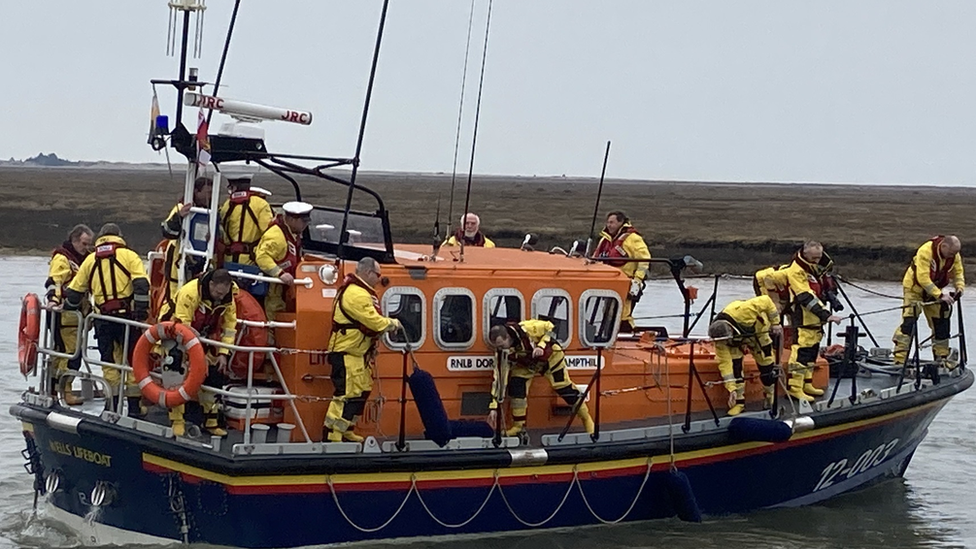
29 333
195 375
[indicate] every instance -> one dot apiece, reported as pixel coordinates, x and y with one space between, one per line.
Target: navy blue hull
260 511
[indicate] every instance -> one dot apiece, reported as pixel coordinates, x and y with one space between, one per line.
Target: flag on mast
203 140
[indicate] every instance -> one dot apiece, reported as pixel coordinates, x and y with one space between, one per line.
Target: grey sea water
933 506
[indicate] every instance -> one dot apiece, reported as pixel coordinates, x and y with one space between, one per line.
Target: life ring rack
141 364
28 333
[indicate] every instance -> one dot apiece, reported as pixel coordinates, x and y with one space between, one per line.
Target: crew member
531 348
356 323
469 233
774 283
244 217
65 261
936 264
809 281
199 237
117 280
748 323
206 304
620 241
280 250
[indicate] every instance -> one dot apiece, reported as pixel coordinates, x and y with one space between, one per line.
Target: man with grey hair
356 324
469 233
936 264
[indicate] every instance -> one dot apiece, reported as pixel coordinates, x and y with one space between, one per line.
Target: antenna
246 112
596 207
474 136
457 135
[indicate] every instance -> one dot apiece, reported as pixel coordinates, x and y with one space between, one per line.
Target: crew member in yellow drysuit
748 323
280 250
530 347
936 264
774 283
65 262
356 323
619 239
117 280
470 233
172 228
206 304
244 217
808 275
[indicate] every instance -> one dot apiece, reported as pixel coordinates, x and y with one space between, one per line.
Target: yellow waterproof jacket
453 241
928 262
208 318
356 308
113 273
800 277
627 243
752 316
244 222
62 269
773 279
273 255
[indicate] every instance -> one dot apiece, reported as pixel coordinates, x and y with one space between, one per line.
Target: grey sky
865 91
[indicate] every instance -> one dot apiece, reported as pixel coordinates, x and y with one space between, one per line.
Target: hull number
843 469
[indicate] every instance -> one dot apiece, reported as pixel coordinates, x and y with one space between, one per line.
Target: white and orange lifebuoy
141 360
29 333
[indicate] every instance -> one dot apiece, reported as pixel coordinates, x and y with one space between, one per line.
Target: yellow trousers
937 315
353 382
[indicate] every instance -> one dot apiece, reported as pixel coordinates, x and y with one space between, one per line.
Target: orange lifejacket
614 247
940 277
237 247
293 251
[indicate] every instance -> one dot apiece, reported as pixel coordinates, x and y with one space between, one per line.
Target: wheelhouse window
599 317
502 305
555 306
454 318
407 305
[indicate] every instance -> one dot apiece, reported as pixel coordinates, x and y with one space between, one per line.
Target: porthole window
454 318
407 305
502 305
599 317
555 306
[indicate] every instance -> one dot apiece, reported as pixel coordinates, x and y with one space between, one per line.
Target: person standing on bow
356 324
117 281
809 280
206 304
936 265
280 250
469 233
65 262
199 237
620 242
530 347
748 323
244 217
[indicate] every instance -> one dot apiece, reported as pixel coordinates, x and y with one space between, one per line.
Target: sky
872 91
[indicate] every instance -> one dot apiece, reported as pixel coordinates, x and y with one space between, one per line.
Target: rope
647 474
866 290
569 489
335 498
466 522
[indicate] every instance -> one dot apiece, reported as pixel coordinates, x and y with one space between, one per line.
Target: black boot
134 407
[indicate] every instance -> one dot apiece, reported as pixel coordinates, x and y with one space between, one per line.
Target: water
929 508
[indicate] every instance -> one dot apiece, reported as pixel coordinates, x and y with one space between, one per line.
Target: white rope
468 521
569 489
640 490
335 498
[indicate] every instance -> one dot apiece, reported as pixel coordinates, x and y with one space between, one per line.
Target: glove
636 287
835 303
394 326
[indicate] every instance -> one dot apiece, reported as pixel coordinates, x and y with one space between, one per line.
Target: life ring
29 333
195 375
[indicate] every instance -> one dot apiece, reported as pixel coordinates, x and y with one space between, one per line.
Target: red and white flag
203 140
